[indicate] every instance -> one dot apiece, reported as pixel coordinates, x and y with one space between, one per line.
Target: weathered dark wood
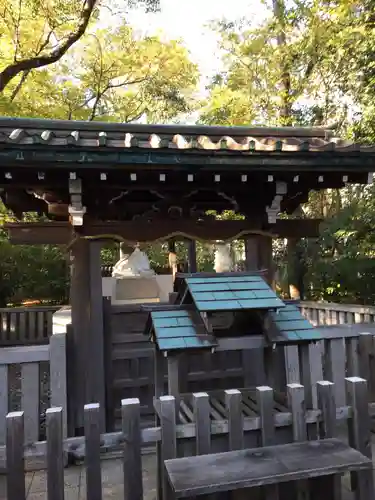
30 325
55 454
327 405
92 457
78 348
60 233
95 340
192 256
132 461
201 407
296 402
108 366
233 405
335 367
266 410
233 470
14 452
168 438
359 433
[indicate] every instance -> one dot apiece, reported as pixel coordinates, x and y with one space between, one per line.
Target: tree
111 75
37 33
285 71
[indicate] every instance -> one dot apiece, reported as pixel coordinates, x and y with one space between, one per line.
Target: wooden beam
61 233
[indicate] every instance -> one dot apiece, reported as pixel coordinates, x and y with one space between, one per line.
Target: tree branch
12 70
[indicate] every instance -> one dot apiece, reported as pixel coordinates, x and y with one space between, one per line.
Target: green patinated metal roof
231 293
180 330
291 326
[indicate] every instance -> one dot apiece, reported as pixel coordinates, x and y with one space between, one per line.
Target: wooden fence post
360 433
168 438
58 377
15 459
55 454
132 460
92 423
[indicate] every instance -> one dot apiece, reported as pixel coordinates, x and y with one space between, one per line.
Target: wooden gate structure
146 183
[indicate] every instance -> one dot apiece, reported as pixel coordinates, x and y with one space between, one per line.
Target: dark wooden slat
55 455
14 453
201 408
327 405
92 423
265 403
131 427
233 470
168 438
359 433
233 403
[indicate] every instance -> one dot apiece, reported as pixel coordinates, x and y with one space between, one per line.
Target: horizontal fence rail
327 313
26 325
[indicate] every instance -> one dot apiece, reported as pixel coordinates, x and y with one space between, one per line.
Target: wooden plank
201 409
233 405
351 346
296 402
311 371
359 433
265 401
14 455
240 343
4 402
132 460
108 365
327 405
92 424
233 470
335 367
168 438
24 354
58 376
55 454
292 368
95 342
174 378
30 400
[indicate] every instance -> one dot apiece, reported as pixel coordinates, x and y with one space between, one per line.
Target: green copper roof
231 293
291 326
180 329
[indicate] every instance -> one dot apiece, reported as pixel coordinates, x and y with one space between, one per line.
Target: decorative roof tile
180 330
289 325
231 293
108 135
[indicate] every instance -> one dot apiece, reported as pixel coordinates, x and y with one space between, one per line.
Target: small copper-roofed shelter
254 318
146 183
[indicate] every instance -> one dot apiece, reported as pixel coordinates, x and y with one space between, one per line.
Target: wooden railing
26 325
330 313
33 378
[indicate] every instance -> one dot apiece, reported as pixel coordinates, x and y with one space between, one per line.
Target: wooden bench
271 465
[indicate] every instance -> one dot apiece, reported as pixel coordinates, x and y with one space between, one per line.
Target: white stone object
223 259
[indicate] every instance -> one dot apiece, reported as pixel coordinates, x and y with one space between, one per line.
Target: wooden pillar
87 348
295 269
266 257
252 359
192 256
172 257
251 254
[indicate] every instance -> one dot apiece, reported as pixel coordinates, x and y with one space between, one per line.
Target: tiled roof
56 133
231 293
180 329
291 326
